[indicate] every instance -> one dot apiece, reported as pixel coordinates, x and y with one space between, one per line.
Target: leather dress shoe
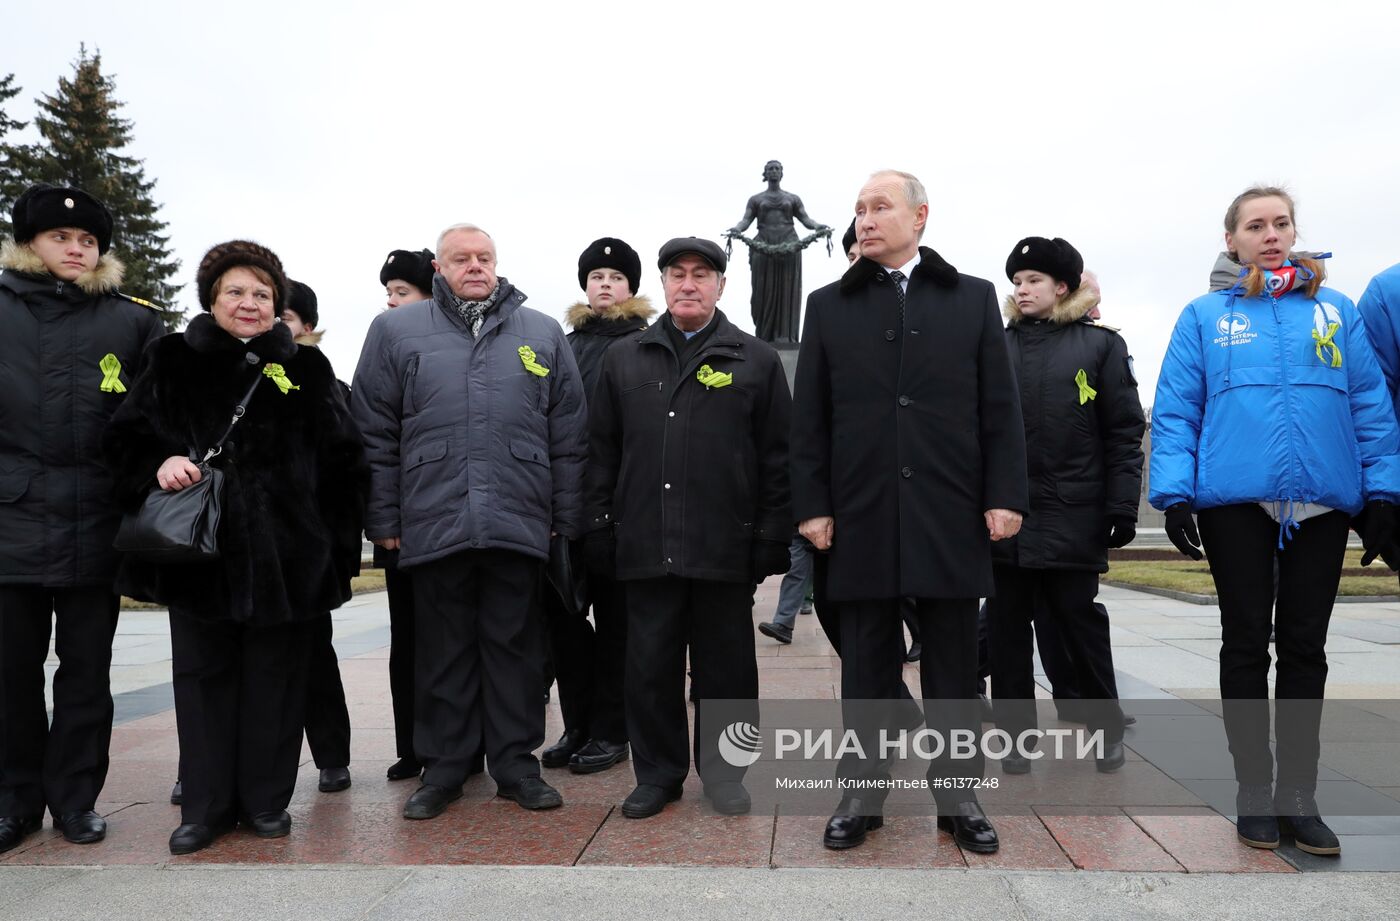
971 829
779 632
190 838
1113 758
177 793
532 792
333 780
847 827
558 754
1015 764
404 769
270 824
429 801
729 798
81 827
597 755
13 828
649 799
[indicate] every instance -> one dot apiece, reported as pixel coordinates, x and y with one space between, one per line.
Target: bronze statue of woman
775 257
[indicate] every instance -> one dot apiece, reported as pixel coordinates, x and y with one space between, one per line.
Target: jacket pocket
410 396
425 454
534 454
13 488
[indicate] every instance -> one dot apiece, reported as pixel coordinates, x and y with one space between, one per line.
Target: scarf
473 313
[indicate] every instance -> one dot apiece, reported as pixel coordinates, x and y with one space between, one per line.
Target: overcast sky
335 134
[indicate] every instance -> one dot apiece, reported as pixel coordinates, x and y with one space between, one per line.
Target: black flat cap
696 246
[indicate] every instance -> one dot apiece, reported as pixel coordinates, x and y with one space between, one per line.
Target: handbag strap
238 411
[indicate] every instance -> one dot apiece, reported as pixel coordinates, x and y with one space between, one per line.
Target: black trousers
589 659
62 766
240 699
1242 543
479 648
327 716
871 640
715 621
1080 627
401 643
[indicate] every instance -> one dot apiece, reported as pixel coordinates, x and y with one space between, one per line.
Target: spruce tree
81 139
9 171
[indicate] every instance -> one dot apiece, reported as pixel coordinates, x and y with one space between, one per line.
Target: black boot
971 828
1254 816
1297 810
848 826
558 754
14 828
81 827
333 780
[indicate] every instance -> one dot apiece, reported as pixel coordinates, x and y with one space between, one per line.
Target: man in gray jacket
472 411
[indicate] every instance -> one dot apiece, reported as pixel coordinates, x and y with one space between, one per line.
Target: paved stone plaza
351 854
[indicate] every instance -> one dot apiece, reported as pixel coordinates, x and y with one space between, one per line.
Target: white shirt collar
908 269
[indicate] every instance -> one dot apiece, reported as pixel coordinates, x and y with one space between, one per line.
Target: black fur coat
295 475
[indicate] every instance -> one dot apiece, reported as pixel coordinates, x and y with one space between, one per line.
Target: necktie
898 278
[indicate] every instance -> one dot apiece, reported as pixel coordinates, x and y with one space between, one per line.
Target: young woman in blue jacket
1272 422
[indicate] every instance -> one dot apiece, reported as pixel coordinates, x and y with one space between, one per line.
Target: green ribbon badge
111 374
279 377
712 378
527 358
1325 342
1086 393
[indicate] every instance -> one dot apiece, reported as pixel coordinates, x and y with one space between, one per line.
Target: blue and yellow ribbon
111 374
1086 393
527 358
712 378
278 374
1325 342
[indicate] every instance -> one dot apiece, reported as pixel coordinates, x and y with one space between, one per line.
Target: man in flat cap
472 410
72 347
687 503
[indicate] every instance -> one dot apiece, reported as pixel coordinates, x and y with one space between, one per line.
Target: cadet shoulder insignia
137 300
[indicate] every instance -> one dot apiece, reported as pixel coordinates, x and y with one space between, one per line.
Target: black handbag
182 526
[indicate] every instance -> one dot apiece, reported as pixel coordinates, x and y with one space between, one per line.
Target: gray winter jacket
470 449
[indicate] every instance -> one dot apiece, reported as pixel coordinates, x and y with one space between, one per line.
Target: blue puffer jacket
1380 308
468 448
1262 400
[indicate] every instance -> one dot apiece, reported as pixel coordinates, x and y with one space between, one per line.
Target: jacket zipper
1288 409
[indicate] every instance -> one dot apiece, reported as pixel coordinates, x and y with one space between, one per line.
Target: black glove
769 558
600 552
1376 525
1121 532
1181 528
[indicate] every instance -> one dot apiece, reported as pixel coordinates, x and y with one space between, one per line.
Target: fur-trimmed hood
931 266
634 308
104 278
1071 308
311 338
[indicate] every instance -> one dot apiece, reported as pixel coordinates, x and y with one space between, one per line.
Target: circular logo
607 251
1025 249
1232 324
391 259
68 203
740 744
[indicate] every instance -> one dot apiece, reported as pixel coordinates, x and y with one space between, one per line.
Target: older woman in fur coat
289 537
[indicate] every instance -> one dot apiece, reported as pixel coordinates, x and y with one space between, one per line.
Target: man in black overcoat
908 460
